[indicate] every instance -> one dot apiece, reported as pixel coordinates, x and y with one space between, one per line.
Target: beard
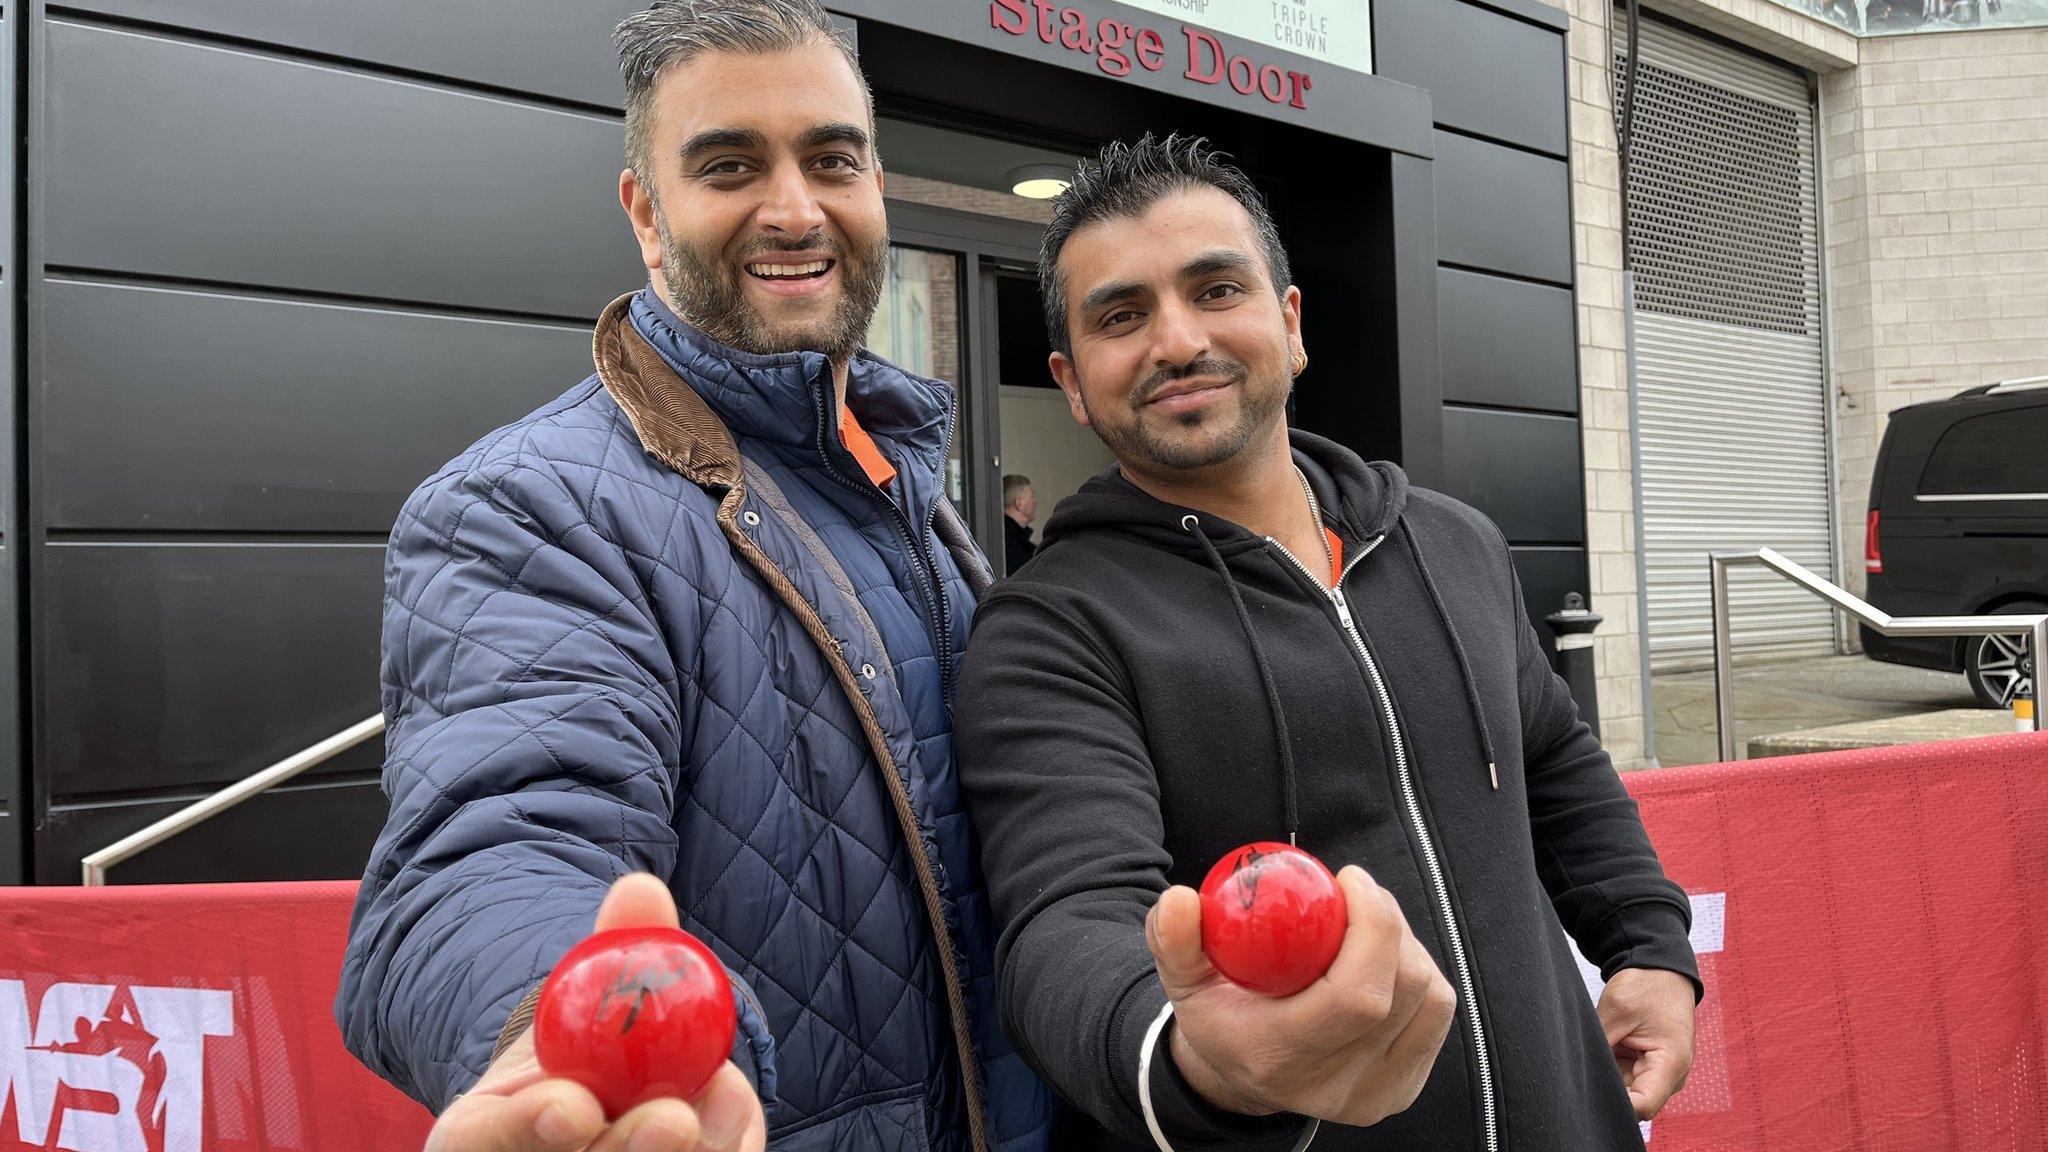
707 292
1164 442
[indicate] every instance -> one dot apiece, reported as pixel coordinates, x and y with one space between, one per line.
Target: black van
1959 527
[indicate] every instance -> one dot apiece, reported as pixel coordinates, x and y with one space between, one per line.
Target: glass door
917 327
939 317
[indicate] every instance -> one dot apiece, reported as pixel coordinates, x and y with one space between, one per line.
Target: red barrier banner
1873 932
1866 921
188 1018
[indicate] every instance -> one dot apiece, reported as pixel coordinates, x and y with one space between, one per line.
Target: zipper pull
1343 609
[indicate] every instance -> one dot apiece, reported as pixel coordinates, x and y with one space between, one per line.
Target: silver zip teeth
1441 890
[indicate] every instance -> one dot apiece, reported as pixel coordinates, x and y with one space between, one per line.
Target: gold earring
1300 362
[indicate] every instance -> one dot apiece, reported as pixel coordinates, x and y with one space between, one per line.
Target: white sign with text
1338 32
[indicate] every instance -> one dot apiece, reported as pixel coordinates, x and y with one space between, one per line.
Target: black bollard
1574 660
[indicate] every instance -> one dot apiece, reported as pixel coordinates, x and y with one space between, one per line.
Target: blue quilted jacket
667 624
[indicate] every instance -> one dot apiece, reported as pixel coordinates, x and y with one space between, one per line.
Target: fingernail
723 1118
555 1127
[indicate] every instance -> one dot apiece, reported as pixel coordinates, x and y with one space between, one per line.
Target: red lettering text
1074 34
1115 37
1200 39
1302 84
1250 81
1047 9
1272 84
1017 10
1151 50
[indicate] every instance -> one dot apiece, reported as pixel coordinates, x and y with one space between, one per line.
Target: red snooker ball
635 1014
1272 918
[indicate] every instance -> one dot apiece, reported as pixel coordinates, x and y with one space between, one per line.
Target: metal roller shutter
1732 398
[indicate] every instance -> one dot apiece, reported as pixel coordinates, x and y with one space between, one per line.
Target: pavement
1796 696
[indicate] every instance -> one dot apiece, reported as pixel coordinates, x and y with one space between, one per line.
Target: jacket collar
785 398
673 422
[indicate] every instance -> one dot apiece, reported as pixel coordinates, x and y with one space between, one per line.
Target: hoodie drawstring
1458 649
1244 620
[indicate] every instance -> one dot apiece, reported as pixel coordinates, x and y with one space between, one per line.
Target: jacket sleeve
1063 797
1592 853
531 759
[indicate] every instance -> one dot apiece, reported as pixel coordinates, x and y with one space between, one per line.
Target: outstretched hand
1353 1048
516 1107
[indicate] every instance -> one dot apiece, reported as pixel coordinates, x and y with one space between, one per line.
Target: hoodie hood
1360 500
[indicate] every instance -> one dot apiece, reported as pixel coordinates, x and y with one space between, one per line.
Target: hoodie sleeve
1063 797
1592 853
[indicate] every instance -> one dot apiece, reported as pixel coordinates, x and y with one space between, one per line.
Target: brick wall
1937 200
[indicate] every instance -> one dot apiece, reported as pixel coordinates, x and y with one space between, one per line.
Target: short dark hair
672 32
1013 487
1124 180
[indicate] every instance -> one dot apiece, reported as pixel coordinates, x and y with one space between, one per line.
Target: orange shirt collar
862 445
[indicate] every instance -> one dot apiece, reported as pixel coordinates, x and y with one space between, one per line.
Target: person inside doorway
1020 510
1244 632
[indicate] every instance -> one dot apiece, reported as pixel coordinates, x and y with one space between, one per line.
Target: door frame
982 242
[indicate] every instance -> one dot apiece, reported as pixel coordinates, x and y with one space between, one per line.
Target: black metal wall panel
1546 575
316 831
1501 209
1487 73
15 806
306 250
185 160
1520 468
171 666
173 409
1506 342
563 51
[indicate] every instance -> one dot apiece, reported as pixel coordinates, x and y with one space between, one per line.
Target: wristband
1145 1050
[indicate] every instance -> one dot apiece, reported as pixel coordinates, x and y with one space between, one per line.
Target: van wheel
2000 668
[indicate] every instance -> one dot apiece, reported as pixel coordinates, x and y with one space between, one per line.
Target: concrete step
1946 724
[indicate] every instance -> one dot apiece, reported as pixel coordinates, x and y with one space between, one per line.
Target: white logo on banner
1709 926
113 1068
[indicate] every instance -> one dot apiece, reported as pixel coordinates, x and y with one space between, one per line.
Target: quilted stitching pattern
582 678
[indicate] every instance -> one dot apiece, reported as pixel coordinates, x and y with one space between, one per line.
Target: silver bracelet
1145 1051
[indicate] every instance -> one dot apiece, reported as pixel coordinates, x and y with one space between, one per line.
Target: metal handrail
200 811
2033 626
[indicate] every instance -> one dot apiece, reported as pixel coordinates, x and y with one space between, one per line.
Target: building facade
272 264
269 265
1919 169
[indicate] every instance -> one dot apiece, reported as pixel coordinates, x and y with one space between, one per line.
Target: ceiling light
1040 181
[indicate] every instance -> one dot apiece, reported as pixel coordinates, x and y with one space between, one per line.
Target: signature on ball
642 979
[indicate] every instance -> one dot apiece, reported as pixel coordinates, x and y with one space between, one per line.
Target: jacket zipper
932 596
931 590
906 820
1439 886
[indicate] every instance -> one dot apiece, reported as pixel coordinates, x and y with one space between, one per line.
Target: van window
1998 453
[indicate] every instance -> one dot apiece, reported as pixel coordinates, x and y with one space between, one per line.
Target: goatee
706 291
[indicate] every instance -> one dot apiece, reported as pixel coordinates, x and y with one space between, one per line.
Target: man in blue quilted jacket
699 619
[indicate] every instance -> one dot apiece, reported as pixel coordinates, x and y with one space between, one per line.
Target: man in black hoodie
1248 633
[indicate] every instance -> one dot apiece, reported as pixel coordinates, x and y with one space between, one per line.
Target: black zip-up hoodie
1159 686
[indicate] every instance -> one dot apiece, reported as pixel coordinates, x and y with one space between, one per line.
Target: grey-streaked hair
672 32
1013 487
1125 180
